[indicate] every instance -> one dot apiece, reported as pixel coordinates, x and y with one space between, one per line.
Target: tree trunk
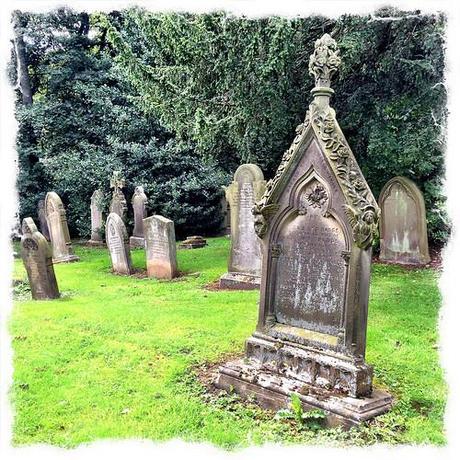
22 69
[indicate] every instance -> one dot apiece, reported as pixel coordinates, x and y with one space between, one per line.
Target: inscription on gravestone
316 220
245 261
403 234
160 245
139 203
59 232
118 245
37 257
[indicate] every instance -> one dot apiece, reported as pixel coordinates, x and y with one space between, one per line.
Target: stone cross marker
37 257
59 232
317 220
160 245
245 259
139 203
118 204
97 225
42 219
403 234
116 237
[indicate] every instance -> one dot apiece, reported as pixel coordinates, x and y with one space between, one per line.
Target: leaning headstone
97 225
59 231
160 247
139 203
245 259
317 220
118 204
116 237
193 242
42 220
38 261
403 234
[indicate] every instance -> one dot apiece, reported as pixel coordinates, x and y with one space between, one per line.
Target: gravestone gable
37 257
403 234
160 247
97 225
139 203
245 259
42 219
116 237
59 231
118 204
316 220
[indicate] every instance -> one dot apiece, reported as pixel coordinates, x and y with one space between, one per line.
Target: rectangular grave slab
316 221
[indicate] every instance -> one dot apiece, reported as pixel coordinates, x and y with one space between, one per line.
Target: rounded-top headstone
403 233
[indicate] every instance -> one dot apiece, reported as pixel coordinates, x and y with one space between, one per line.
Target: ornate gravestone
317 220
37 257
193 242
118 204
139 203
116 237
97 225
245 258
403 236
42 219
160 247
59 232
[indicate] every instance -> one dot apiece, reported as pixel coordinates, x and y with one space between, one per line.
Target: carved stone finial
324 61
117 182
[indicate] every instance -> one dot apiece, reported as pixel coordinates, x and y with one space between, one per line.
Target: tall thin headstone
160 247
37 257
139 202
403 234
97 225
245 261
317 220
59 231
42 220
116 237
118 204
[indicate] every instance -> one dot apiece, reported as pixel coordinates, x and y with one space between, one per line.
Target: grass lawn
115 357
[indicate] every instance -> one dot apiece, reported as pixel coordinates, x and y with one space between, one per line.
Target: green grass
115 357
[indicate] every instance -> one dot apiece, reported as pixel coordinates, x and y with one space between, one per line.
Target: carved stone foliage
325 60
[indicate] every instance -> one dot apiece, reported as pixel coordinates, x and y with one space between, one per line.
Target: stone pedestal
193 242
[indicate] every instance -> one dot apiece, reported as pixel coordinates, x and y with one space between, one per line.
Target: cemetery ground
126 357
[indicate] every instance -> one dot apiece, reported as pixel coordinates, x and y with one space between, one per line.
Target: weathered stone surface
193 242
160 247
247 187
117 241
403 235
97 226
139 202
42 220
316 220
118 204
38 261
58 229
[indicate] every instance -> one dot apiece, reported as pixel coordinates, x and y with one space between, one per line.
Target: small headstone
116 237
38 261
403 234
245 259
317 220
42 220
97 225
59 231
139 203
193 242
118 204
160 247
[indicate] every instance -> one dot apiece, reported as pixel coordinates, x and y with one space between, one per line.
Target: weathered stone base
66 259
95 243
239 281
273 391
137 242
